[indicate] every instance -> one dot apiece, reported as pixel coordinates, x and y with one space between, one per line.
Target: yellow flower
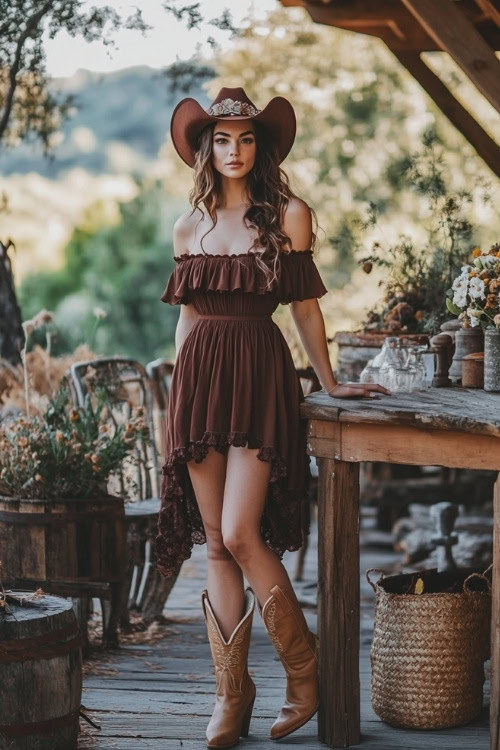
476 252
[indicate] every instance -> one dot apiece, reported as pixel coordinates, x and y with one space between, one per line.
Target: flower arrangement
68 451
475 293
416 276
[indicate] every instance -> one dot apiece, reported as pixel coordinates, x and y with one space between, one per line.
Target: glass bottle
370 373
392 358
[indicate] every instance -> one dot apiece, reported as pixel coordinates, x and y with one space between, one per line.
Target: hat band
232 107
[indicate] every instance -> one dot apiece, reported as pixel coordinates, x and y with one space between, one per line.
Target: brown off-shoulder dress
234 383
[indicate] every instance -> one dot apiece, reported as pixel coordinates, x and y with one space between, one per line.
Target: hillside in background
120 121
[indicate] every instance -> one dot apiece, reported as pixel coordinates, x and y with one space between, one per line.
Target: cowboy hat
189 118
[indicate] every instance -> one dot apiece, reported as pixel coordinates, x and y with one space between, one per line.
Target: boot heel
245 724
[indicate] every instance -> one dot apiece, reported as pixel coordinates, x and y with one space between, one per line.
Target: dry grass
44 375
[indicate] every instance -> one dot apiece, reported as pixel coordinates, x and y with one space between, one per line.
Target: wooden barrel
80 540
41 674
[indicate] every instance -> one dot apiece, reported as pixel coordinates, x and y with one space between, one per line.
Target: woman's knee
216 549
240 542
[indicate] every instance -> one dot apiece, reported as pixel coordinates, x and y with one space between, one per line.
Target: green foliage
417 275
119 270
28 107
67 451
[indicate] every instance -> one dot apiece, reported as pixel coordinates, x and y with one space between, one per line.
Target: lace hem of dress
285 521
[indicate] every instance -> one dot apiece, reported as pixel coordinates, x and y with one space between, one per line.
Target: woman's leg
244 497
224 576
245 491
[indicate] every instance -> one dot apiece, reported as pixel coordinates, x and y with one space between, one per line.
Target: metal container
492 359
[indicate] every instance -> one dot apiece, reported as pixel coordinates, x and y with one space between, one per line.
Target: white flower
461 282
473 316
460 299
476 288
99 313
465 270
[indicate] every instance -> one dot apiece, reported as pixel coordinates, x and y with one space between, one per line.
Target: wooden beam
491 8
485 146
390 21
455 34
398 444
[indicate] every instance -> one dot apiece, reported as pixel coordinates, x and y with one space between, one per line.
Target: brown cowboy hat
189 118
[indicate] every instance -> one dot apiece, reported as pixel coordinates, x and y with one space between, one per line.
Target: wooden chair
160 376
144 589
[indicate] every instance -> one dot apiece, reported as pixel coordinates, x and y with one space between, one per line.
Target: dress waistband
235 317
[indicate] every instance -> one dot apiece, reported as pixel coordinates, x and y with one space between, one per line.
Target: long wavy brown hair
269 192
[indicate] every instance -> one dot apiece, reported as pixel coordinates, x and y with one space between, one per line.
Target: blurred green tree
28 105
108 291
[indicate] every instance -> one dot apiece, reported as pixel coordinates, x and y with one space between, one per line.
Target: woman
236 469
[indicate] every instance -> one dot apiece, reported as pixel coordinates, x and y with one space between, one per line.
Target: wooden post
338 602
495 626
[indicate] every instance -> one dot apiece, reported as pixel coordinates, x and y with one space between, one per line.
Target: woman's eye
223 140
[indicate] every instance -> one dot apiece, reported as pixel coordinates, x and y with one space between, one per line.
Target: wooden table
453 427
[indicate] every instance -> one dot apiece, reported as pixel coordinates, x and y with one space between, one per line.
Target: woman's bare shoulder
297 223
183 232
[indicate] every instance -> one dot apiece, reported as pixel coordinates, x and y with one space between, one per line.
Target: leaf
452 307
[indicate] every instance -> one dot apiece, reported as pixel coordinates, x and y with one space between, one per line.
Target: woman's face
233 142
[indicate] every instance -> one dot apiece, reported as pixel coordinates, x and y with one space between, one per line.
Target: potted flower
415 273
57 520
474 297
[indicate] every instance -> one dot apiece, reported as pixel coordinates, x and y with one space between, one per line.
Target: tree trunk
11 331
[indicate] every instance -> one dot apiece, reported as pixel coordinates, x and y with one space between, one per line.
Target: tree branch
9 99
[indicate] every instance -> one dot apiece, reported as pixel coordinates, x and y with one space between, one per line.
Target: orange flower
472 273
476 252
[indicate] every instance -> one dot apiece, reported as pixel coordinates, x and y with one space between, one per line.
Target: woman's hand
358 390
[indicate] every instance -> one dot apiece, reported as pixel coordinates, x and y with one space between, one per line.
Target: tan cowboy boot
235 693
298 651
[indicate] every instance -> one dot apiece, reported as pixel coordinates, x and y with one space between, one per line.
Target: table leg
338 602
495 626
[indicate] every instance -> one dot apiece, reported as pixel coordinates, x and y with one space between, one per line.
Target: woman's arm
187 318
308 317
182 232
310 325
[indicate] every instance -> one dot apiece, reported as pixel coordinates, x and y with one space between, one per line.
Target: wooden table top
456 409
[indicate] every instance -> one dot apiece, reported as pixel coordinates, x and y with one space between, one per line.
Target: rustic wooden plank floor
159 696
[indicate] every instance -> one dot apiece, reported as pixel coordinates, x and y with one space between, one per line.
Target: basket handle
478 575
374 570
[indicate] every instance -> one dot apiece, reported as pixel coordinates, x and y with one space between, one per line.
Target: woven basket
428 649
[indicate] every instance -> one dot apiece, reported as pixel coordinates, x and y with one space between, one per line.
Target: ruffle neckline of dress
185 256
